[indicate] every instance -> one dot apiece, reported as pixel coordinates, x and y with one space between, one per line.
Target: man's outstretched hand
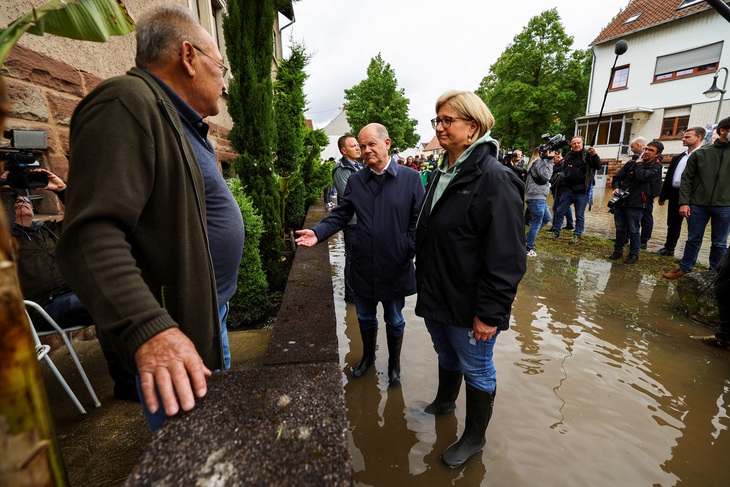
307 238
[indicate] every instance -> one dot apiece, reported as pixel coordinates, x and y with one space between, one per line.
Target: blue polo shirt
225 224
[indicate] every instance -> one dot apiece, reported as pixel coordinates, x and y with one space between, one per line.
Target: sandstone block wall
43 95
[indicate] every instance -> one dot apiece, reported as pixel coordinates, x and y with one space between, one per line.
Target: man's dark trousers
349 233
647 221
674 220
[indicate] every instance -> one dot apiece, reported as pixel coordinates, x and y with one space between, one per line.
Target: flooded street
599 384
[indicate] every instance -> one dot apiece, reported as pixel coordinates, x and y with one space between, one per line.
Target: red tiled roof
433 145
653 12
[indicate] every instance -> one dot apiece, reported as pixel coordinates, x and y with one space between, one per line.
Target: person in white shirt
692 139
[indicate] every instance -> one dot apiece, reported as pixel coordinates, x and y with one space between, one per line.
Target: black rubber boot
479 406
369 339
448 391
394 346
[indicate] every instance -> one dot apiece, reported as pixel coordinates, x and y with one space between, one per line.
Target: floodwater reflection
599 384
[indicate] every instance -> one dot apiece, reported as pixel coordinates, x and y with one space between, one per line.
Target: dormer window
688 3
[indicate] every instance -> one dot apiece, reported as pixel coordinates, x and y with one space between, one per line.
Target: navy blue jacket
384 244
470 248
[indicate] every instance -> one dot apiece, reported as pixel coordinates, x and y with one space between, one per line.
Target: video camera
554 143
20 159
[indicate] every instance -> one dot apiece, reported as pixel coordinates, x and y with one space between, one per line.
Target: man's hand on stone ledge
169 361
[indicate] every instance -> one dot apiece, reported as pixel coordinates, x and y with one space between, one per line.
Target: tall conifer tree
248 30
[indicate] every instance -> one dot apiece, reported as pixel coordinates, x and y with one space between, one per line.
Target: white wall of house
665 97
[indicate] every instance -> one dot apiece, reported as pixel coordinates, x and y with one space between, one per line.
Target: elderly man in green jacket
152 235
704 195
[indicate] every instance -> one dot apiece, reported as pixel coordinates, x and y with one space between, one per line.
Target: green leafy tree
289 106
377 99
247 28
537 84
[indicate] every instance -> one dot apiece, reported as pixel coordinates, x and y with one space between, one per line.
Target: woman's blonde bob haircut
471 107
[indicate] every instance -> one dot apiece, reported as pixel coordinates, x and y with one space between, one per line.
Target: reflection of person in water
371 432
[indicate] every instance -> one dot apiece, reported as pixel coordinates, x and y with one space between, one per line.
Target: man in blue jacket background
386 198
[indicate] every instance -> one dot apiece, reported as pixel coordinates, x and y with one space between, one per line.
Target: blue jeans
567 197
568 214
457 349
539 217
696 224
627 229
223 318
66 309
367 314
156 419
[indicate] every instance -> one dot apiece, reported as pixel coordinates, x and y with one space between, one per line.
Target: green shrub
251 300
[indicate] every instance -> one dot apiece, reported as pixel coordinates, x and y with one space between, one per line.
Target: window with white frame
613 130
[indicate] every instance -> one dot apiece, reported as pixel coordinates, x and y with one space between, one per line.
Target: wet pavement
599 384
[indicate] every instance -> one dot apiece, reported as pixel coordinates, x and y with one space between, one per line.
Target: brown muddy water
599 385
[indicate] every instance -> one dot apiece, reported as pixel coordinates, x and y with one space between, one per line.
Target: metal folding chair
65 336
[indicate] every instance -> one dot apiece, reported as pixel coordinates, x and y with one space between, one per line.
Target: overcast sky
433 46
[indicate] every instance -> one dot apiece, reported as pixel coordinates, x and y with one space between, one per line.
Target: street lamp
620 48
714 91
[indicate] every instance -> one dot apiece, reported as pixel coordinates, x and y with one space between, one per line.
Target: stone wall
43 94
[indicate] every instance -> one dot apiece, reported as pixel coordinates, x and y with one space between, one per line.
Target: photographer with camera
632 191
557 171
574 185
40 279
537 188
514 161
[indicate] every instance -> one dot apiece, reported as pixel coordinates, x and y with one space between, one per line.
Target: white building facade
656 88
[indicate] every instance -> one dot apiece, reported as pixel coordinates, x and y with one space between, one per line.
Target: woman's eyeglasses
445 122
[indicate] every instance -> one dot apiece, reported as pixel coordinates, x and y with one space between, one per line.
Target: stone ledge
305 330
279 425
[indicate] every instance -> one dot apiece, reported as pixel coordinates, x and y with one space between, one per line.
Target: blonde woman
470 258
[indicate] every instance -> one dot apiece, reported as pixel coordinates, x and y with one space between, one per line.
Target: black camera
617 199
18 165
553 143
20 159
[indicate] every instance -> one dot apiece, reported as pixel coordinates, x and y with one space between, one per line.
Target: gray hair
640 140
161 30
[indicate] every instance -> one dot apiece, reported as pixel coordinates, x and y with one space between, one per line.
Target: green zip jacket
706 179
135 246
